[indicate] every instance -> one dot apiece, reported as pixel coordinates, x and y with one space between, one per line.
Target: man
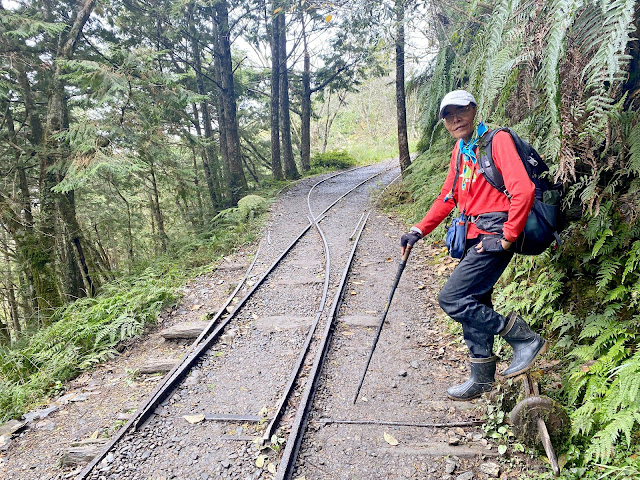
466 297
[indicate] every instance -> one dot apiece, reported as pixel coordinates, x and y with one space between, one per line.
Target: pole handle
407 251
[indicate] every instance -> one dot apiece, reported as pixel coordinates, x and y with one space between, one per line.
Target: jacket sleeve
443 204
517 183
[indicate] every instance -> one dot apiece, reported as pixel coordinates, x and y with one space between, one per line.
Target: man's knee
448 302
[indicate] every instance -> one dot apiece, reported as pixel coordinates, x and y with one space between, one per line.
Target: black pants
466 297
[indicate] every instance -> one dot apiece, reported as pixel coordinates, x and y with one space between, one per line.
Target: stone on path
491 469
184 331
159 365
11 427
82 452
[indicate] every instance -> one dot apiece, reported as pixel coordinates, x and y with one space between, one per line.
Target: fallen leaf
260 461
328 18
194 418
352 292
421 287
271 468
196 307
348 334
390 439
94 435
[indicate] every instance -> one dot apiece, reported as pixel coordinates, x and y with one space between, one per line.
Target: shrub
332 159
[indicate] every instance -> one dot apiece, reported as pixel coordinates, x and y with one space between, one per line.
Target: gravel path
414 362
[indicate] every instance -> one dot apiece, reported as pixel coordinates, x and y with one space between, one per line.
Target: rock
450 468
491 469
227 337
184 331
5 441
162 365
453 440
414 364
46 425
225 463
79 455
465 476
402 373
193 378
80 397
11 427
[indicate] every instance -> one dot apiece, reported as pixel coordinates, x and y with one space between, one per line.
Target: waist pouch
539 231
456 238
491 222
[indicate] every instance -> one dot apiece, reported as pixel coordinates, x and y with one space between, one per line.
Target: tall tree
274 104
401 105
290 169
229 127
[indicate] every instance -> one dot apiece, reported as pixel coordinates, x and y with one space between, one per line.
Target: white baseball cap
460 98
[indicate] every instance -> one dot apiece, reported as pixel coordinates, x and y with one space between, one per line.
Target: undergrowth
88 331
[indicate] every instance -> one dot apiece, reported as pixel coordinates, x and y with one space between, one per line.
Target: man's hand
493 243
409 239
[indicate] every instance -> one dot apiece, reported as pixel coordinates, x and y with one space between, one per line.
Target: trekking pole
401 266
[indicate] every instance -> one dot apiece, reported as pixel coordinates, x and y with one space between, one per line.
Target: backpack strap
455 179
487 166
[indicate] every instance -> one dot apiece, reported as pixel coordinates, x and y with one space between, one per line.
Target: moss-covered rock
252 205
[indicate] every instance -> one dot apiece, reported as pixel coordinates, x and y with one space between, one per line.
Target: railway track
216 398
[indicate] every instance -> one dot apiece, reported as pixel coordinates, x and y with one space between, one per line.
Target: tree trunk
67 209
222 130
57 120
276 163
232 137
11 296
305 129
290 169
209 155
401 106
196 183
157 211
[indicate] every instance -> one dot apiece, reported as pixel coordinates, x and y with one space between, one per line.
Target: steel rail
329 421
154 400
344 194
294 441
197 349
277 414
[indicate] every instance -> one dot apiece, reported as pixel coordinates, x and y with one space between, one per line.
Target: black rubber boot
527 345
483 372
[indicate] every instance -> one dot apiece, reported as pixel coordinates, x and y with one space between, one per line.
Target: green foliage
90 330
335 159
566 91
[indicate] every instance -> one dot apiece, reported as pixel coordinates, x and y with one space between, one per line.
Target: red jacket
475 195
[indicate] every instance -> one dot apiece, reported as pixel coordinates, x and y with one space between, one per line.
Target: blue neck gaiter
468 148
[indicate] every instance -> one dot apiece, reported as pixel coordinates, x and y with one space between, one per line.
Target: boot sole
459 399
542 351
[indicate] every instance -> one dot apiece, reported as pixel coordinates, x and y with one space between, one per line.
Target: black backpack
544 220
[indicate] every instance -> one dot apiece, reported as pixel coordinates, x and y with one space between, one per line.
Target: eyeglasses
459 113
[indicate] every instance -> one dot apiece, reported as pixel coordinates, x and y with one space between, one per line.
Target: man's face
459 120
